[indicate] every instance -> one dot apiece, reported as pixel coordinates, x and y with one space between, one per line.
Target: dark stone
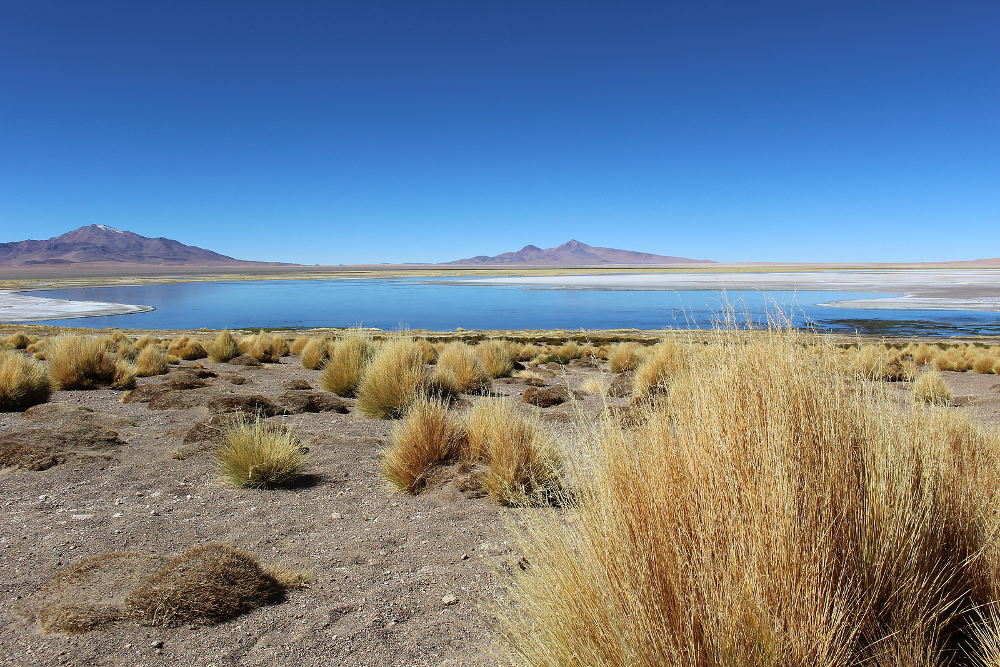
545 398
179 400
148 392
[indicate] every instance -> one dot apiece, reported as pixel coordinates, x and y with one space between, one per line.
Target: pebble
449 600
336 515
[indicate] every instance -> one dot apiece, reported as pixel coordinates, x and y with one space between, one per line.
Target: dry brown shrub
258 454
23 382
391 380
930 387
187 348
626 357
81 362
348 358
17 341
427 436
314 353
984 364
495 357
459 370
662 363
223 348
773 512
267 348
299 344
150 361
521 464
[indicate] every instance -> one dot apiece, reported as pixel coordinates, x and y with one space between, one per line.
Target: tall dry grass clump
349 355
314 353
150 361
771 511
426 437
223 348
930 388
391 380
495 357
267 348
258 454
23 382
985 364
662 363
81 362
17 341
521 463
626 357
459 370
187 348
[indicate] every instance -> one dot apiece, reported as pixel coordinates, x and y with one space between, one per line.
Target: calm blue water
424 304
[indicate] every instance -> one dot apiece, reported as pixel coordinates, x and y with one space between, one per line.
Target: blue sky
342 132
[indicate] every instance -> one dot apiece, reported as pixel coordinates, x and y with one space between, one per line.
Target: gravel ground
399 580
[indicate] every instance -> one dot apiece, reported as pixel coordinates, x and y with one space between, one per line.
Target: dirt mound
296 402
621 386
205 435
210 583
148 392
296 384
545 398
181 399
253 404
57 413
42 448
192 373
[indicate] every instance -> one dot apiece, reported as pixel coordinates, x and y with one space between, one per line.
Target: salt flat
16 307
912 289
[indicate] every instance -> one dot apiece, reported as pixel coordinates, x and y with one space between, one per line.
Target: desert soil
399 579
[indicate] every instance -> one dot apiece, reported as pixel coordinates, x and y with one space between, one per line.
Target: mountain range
575 253
95 244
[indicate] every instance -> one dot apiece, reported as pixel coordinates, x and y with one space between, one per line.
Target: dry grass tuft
81 362
495 357
391 380
314 353
626 357
23 382
223 348
985 364
774 511
17 341
427 436
595 386
930 388
267 348
348 358
150 361
459 370
187 348
663 362
259 454
521 463
299 344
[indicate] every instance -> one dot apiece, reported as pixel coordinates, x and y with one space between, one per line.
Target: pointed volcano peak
573 243
530 248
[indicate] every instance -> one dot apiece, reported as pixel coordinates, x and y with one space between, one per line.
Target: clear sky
343 132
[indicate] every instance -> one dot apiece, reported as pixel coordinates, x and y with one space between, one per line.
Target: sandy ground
923 289
26 308
384 562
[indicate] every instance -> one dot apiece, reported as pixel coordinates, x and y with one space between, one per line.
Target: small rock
156 644
244 360
449 600
296 384
336 515
545 397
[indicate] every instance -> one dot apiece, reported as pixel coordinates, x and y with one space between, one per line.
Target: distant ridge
574 253
95 244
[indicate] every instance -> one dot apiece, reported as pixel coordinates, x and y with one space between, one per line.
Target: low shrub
348 357
427 436
495 357
391 380
187 348
626 357
223 348
150 361
314 353
459 370
258 454
23 382
930 388
81 362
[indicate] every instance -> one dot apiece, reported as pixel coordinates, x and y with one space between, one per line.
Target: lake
442 305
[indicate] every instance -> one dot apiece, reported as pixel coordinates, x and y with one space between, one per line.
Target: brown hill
574 253
102 244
